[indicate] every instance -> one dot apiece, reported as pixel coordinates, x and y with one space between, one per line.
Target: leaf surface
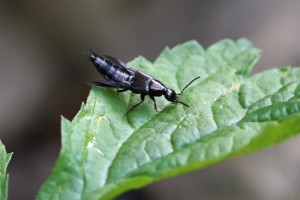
4 160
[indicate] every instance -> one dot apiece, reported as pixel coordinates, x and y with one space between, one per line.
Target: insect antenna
188 86
183 104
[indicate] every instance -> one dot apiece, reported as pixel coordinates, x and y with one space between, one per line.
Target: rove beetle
115 74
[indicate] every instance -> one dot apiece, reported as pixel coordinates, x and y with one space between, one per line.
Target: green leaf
4 160
105 153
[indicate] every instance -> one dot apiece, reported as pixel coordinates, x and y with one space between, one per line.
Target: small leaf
4 160
105 153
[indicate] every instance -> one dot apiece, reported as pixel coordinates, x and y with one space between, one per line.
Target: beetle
116 74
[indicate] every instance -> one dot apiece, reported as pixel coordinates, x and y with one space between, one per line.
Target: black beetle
115 74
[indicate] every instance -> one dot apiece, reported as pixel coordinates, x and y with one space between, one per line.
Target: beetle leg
153 99
136 105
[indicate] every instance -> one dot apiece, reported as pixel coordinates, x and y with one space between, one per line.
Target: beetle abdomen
111 71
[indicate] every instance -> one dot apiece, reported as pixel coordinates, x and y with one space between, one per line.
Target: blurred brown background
43 73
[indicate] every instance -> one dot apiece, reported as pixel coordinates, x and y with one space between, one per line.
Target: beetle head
171 95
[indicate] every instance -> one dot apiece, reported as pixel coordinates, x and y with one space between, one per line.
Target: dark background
43 72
